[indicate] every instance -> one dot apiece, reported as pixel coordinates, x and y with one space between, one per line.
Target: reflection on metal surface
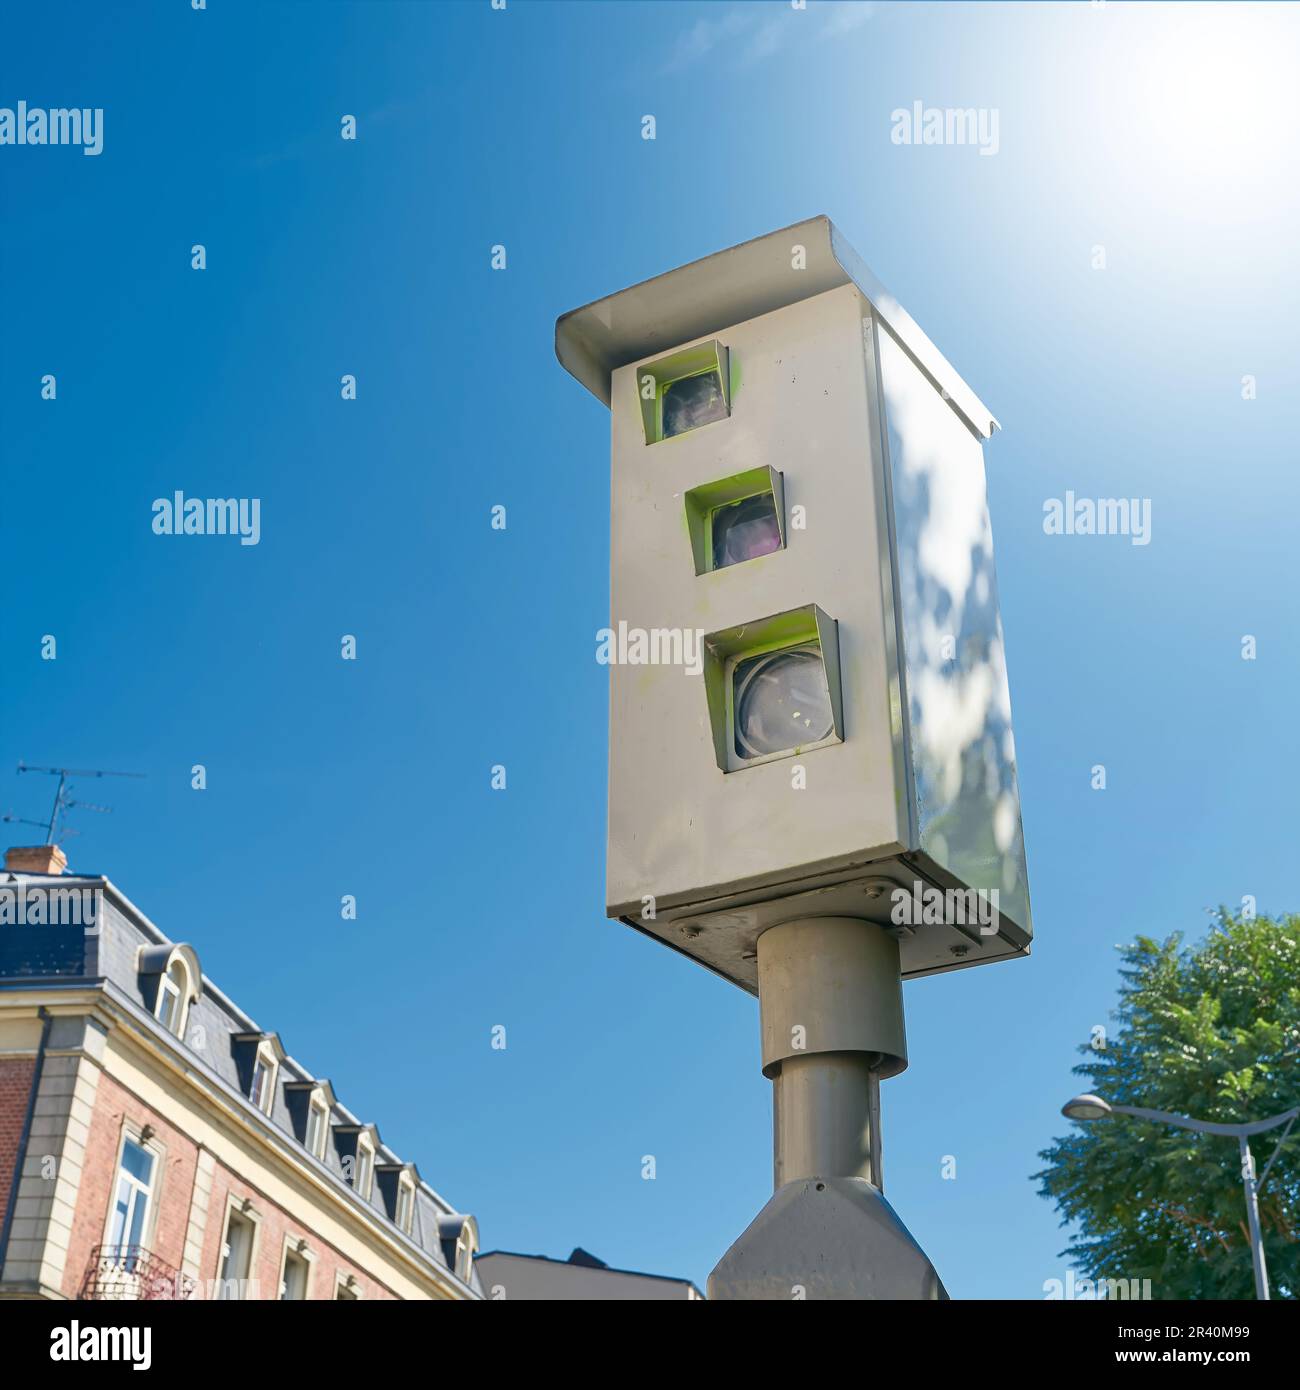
958 701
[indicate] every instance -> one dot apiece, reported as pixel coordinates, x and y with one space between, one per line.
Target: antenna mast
64 801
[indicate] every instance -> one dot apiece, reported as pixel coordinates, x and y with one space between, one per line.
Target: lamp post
1091 1107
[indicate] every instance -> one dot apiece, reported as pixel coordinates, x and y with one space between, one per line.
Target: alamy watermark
655 646
926 906
60 125
1101 516
24 905
920 124
179 515
94 1343
1100 1290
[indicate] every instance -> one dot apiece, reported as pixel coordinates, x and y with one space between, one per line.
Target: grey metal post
831 1005
1252 1214
830 994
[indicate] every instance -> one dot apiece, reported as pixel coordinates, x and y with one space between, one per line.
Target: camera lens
781 702
691 402
745 530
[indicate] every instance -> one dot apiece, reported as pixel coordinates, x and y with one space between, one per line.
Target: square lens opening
691 402
773 687
745 530
686 389
734 519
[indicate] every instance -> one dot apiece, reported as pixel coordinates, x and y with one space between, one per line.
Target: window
294 1276
465 1243
128 1224
171 998
317 1125
261 1083
264 1068
364 1177
345 1289
311 1109
458 1236
171 977
405 1203
236 1255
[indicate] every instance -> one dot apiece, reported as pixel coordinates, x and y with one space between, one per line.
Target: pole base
826 1238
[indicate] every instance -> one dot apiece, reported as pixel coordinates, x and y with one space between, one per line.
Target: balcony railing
132 1272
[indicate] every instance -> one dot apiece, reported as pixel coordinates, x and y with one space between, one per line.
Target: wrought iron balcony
132 1272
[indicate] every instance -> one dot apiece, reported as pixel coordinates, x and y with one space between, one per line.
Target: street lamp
1090 1107
1086 1108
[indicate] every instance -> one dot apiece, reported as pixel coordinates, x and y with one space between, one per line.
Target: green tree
1212 1032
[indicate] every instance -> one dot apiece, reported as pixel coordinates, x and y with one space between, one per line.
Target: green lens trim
653 377
800 627
702 502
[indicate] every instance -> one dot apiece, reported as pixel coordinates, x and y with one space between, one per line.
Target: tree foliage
1212 1032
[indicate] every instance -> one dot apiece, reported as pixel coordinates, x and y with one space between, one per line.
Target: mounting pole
1252 1216
831 1004
58 806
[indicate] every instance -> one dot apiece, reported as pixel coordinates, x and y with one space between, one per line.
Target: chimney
36 859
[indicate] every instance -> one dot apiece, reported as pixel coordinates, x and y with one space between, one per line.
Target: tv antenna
64 801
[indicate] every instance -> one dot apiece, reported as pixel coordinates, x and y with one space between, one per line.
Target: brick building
156 1143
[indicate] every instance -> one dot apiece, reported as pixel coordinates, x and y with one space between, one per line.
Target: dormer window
458 1235
257 1058
175 978
311 1108
398 1183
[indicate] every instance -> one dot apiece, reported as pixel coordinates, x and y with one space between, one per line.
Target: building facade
156 1143
582 1277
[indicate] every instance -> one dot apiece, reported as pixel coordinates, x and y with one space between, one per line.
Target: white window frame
351 1283
167 992
297 1247
405 1195
364 1172
265 1059
132 1134
466 1248
236 1206
317 1105
169 988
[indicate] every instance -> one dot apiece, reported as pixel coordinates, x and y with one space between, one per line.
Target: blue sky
1158 133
